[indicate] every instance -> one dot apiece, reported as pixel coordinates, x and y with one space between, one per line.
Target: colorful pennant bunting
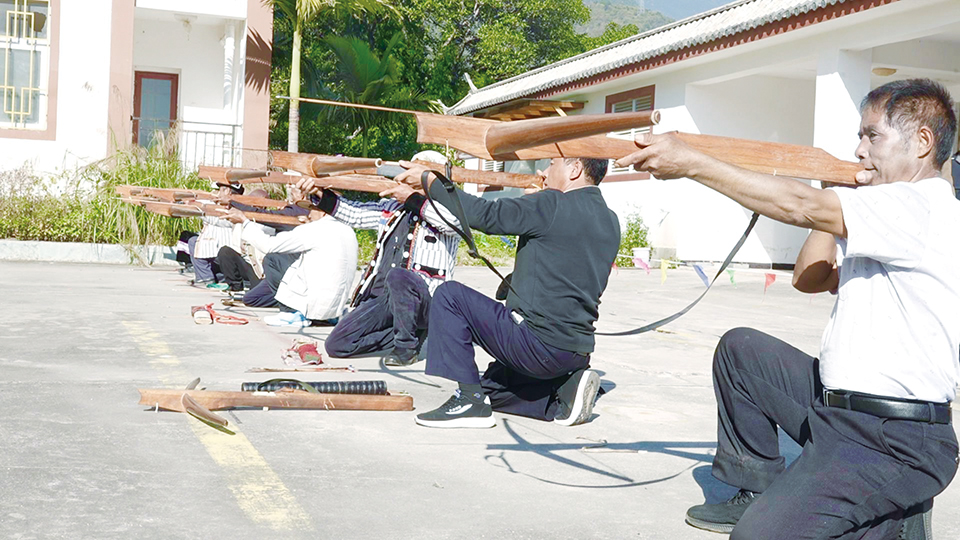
768 281
703 275
637 261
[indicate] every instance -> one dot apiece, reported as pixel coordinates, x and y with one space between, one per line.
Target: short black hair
596 169
912 103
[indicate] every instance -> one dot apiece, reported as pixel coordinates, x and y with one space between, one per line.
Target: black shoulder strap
467 236
677 315
457 211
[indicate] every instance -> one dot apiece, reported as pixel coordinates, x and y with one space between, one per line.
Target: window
494 166
637 100
24 63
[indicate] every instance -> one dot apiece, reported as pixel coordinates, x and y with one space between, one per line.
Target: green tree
442 40
489 39
363 77
301 13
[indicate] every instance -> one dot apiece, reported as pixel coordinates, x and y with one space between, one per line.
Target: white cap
430 155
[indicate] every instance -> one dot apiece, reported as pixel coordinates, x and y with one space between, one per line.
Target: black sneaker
918 522
401 357
460 412
721 517
576 397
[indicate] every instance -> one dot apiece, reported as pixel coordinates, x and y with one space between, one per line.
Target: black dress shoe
721 517
401 357
917 522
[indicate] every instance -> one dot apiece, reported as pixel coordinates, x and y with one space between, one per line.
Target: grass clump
158 167
500 250
83 206
38 209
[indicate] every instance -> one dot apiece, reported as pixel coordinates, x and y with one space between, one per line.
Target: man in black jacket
543 337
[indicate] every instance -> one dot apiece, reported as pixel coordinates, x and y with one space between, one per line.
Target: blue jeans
264 294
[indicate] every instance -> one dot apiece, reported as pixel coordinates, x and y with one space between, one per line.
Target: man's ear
576 169
926 142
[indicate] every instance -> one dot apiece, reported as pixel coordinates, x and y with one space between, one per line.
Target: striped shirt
215 234
410 235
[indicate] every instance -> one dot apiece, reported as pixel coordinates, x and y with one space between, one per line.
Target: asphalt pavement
80 458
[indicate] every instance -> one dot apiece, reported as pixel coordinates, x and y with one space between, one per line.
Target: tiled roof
728 20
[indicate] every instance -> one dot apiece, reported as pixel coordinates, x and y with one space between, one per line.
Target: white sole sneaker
286 320
582 406
476 422
288 325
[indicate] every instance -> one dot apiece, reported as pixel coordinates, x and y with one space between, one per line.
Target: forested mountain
677 9
621 12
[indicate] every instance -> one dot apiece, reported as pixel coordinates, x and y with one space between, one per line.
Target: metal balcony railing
198 143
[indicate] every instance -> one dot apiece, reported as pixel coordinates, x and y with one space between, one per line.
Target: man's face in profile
883 151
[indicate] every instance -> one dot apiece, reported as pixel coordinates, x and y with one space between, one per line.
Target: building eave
722 28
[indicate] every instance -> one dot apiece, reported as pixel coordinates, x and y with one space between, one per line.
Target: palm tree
301 12
363 77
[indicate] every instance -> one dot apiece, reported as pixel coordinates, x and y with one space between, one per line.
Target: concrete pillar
258 50
120 126
843 79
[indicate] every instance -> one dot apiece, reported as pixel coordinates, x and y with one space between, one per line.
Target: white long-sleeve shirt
318 283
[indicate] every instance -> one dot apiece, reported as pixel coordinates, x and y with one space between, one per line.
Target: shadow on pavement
550 451
714 491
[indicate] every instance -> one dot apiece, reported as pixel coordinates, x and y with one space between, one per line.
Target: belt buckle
844 398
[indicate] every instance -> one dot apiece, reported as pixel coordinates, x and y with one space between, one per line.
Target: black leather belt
887 407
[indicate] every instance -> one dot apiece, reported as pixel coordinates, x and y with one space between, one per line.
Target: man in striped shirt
416 251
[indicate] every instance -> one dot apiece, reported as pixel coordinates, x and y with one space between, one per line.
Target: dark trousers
203 269
527 372
394 318
857 473
235 270
264 293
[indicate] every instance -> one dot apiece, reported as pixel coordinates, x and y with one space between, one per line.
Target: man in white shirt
316 285
873 412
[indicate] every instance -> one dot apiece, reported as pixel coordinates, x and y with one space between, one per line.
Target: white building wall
207 53
83 81
234 9
696 222
756 107
195 52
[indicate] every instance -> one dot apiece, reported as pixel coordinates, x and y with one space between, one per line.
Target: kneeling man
543 337
308 271
873 412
